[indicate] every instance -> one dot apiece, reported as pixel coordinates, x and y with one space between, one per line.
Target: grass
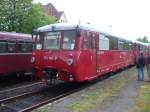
95 97
143 99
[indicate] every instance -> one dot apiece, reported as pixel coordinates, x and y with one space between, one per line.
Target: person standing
148 66
140 66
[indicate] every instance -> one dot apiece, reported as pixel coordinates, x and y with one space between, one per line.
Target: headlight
69 61
32 59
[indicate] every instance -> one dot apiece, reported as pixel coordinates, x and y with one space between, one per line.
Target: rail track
31 100
11 82
8 94
34 97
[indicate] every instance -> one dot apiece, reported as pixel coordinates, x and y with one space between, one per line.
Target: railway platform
114 94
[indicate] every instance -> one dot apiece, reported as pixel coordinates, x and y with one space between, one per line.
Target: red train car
140 47
77 53
15 53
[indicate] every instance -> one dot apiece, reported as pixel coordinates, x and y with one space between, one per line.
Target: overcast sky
128 18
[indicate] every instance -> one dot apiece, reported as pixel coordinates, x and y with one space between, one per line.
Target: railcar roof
67 26
142 43
64 26
15 36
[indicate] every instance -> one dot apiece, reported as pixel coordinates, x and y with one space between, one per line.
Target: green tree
144 39
22 16
36 18
12 12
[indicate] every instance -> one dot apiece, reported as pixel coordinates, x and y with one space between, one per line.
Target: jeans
141 73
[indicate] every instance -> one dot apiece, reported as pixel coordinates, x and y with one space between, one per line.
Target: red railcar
140 47
76 53
15 53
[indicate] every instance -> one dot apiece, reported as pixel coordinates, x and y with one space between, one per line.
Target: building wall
50 10
63 19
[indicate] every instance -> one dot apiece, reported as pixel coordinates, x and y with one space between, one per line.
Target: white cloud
129 18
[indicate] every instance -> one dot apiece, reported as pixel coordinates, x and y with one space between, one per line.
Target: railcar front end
57 55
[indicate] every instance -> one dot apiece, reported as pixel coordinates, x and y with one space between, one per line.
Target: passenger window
3 47
94 41
126 46
103 42
25 47
120 44
11 47
130 46
85 43
90 40
113 43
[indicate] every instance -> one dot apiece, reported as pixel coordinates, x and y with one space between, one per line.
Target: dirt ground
115 94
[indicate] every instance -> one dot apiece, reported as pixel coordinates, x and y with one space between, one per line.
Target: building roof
52 11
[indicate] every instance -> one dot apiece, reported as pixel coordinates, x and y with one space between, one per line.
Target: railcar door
92 54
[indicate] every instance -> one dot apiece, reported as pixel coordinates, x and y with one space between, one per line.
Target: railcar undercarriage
50 75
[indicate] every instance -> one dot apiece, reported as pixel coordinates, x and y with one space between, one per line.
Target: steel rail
13 89
6 100
50 100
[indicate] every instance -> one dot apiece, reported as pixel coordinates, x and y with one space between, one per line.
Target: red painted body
16 61
88 64
13 63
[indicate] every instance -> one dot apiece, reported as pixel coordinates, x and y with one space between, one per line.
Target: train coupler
49 77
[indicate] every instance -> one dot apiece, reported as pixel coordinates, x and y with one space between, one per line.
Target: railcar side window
69 40
3 47
94 41
113 43
38 43
103 42
126 46
52 40
25 47
120 44
85 44
90 40
11 47
130 46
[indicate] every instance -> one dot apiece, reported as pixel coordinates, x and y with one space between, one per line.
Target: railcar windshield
69 40
53 40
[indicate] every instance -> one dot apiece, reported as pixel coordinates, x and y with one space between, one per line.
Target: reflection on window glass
130 46
25 47
52 40
11 47
120 44
113 43
85 41
103 42
126 46
94 41
38 42
3 47
90 40
69 40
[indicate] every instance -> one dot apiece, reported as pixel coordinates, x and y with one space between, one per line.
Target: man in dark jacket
148 66
140 66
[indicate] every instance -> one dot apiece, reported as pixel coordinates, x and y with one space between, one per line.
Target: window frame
12 43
